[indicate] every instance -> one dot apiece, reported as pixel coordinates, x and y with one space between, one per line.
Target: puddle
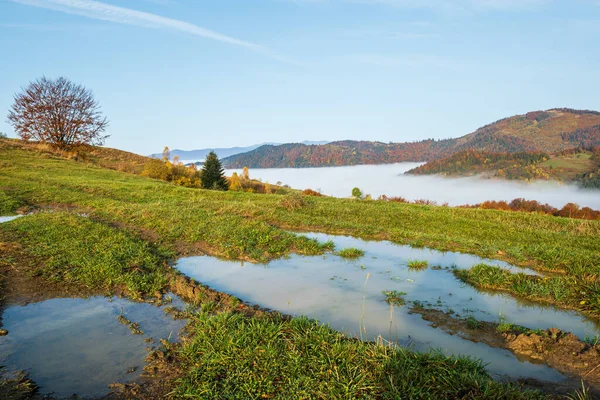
7 219
337 291
78 346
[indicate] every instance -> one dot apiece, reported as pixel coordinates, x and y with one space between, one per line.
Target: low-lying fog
388 179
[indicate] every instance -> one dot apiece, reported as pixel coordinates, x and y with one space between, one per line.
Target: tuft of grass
293 201
581 394
473 323
592 340
351 253
417 265
394 297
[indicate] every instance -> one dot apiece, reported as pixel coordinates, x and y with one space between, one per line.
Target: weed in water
592 340
394 297
417 265
351 253
472 323
581 394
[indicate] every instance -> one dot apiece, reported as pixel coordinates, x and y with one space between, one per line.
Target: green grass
81 251
351 253
136 225
577 161
417 265
473 323
232 357
592 340
576 292
252 226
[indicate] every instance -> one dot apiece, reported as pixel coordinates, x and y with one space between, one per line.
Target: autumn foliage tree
58 112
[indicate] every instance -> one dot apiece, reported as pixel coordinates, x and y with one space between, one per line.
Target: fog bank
388 179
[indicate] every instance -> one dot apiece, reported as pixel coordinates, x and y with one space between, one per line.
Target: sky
193 74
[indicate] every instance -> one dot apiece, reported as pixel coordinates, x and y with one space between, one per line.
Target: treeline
576 112
297 155
570 210
506 165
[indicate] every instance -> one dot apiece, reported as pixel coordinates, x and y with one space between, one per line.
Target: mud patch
16 386
560 350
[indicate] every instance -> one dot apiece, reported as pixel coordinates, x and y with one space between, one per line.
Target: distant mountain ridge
548 131
200 154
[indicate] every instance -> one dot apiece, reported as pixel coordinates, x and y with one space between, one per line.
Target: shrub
293 201
156 169
310 192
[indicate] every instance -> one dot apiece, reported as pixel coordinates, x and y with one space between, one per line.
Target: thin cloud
106 12
446 6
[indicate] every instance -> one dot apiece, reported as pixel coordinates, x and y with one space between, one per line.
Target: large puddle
78 346
348 296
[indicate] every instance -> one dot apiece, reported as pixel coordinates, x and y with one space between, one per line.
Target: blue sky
219 73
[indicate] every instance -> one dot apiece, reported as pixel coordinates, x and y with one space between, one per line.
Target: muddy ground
20 284
560 350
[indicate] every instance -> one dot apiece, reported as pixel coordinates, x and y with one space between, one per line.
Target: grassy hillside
110 230
541 131
568 166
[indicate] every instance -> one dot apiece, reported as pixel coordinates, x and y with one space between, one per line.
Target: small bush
156 169
310 192
351 253
293 201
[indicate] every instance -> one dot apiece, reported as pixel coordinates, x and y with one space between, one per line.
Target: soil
560 350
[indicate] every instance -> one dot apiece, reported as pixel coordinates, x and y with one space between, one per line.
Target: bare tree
58 112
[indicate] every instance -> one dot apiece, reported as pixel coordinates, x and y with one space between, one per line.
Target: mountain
200 154
548 131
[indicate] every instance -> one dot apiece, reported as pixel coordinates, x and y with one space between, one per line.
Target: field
106 231
568 167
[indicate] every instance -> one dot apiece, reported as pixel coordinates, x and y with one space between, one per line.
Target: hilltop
548 131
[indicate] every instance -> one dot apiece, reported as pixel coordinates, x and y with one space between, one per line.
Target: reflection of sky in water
6 219
388 179
77 345
332 290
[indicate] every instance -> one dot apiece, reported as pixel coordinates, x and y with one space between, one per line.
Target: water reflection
347 295
73 346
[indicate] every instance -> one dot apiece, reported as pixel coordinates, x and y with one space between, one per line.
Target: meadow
107 230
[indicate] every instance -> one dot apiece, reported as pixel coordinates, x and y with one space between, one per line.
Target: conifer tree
213 175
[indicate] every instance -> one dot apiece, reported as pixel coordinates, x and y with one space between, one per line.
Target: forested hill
548 131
